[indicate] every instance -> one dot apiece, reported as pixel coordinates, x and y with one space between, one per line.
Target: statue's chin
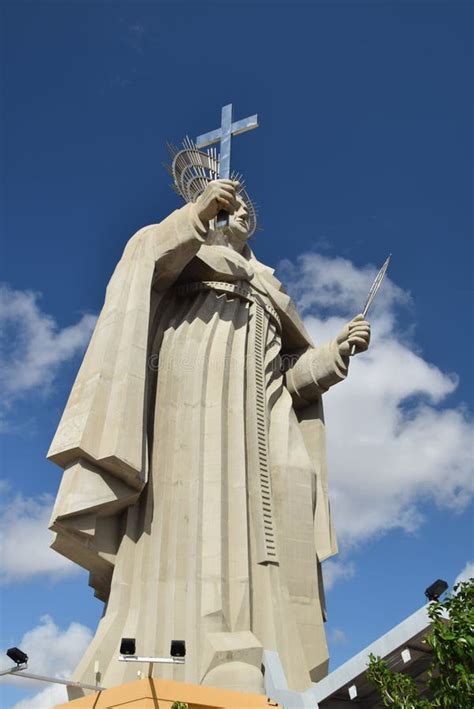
228 236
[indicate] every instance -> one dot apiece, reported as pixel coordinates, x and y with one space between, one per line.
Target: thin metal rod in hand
374 290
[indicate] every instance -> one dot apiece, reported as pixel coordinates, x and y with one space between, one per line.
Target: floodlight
352 691
127 646
20 658
177 652
178 648
436 589
17 655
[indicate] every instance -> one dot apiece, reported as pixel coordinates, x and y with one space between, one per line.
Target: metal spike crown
192 170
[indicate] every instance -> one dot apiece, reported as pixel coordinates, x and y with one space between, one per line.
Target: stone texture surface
195 484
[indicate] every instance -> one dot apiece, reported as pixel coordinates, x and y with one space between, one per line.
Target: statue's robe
194 487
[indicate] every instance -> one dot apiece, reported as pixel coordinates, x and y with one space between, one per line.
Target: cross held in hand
223 135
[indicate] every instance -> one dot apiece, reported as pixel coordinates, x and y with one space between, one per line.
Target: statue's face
237 232
239 222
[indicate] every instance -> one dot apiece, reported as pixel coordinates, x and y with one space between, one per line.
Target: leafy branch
450 681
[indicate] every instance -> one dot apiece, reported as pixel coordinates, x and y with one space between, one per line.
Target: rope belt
222 287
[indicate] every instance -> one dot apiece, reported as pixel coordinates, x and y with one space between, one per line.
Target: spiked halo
192 169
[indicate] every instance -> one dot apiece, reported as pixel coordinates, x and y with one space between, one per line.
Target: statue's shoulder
268 275
169 222
138 238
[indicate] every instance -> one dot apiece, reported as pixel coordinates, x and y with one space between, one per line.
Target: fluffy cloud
32 346
50 696
466 574
392 443
335 570
337 637
64 650
25 540
335 285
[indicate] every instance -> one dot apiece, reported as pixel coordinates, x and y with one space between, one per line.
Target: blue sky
364 148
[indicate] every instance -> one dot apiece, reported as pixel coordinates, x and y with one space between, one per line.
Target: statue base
162 694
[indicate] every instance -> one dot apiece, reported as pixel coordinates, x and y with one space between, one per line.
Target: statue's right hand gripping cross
223 135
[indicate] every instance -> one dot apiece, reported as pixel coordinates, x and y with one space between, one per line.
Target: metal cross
223 135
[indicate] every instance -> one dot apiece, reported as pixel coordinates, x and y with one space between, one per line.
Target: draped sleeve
101 439
314 372
104 418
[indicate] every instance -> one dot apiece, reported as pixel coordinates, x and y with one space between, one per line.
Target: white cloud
47 698
25 540
32 345
466 574
393 443
337 637
336 285
52 652
335 570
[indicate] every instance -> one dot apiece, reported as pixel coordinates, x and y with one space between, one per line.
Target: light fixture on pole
177 652
178 648
18 656
436 590
127 646
20 659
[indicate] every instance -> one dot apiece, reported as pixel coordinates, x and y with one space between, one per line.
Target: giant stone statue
193 446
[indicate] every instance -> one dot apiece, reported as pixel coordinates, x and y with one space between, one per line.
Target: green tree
450 683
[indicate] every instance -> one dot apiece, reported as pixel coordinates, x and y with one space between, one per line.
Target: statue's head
236 234
192 170
238 230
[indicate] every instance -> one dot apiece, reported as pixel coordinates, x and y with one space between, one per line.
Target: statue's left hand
355 334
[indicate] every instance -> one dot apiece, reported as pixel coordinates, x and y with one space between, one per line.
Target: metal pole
55 680
151 660
12 670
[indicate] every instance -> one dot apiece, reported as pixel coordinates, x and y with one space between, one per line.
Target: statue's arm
316 370
175 241
180 236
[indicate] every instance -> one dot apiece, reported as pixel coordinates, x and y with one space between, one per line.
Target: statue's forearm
176 240
315 371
